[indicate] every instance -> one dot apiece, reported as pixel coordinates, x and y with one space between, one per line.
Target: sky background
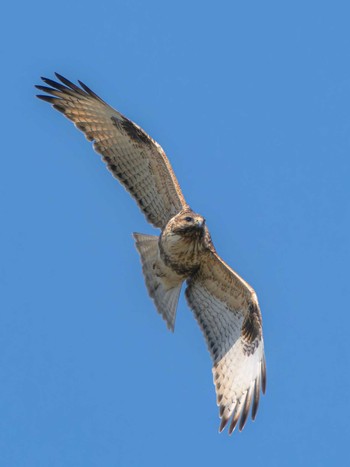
251 102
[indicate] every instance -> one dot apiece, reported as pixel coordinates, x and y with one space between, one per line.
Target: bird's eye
188 219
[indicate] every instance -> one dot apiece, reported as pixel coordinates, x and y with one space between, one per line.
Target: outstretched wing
132 156
227 311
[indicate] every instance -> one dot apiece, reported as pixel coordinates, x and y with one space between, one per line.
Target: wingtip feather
246 408
256 398
233 424
49 99
223 423
70 85
89 91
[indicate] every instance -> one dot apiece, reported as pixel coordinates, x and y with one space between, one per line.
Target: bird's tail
163 285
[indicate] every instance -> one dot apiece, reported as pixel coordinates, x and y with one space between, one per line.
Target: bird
224 305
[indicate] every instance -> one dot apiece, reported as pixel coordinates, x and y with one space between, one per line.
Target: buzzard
224 305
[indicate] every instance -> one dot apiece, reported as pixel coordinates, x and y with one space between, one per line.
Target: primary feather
132 156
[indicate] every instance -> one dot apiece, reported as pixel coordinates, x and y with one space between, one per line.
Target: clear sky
251 102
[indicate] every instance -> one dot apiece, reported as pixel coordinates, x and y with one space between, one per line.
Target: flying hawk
224 305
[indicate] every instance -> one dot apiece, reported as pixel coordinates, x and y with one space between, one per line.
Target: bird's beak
200 223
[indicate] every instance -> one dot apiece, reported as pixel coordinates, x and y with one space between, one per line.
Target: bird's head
188 224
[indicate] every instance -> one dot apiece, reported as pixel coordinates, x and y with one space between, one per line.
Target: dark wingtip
243 421
89 91
86 88
235 418
256 399
64 86
49 99
44 89
246 408
69 84
233 425
223 423
60 77
255 409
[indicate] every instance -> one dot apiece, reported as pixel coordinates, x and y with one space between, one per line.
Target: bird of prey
224 305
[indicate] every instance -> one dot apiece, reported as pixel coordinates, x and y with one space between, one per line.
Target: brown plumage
224 305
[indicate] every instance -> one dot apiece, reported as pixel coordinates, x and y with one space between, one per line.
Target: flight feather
132 156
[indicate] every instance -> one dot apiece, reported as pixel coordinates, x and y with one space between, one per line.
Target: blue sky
251 102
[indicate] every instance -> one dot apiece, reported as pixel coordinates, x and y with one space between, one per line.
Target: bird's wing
133 157
227 311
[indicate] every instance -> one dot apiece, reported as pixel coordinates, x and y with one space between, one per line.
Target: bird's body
224 305
183 242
